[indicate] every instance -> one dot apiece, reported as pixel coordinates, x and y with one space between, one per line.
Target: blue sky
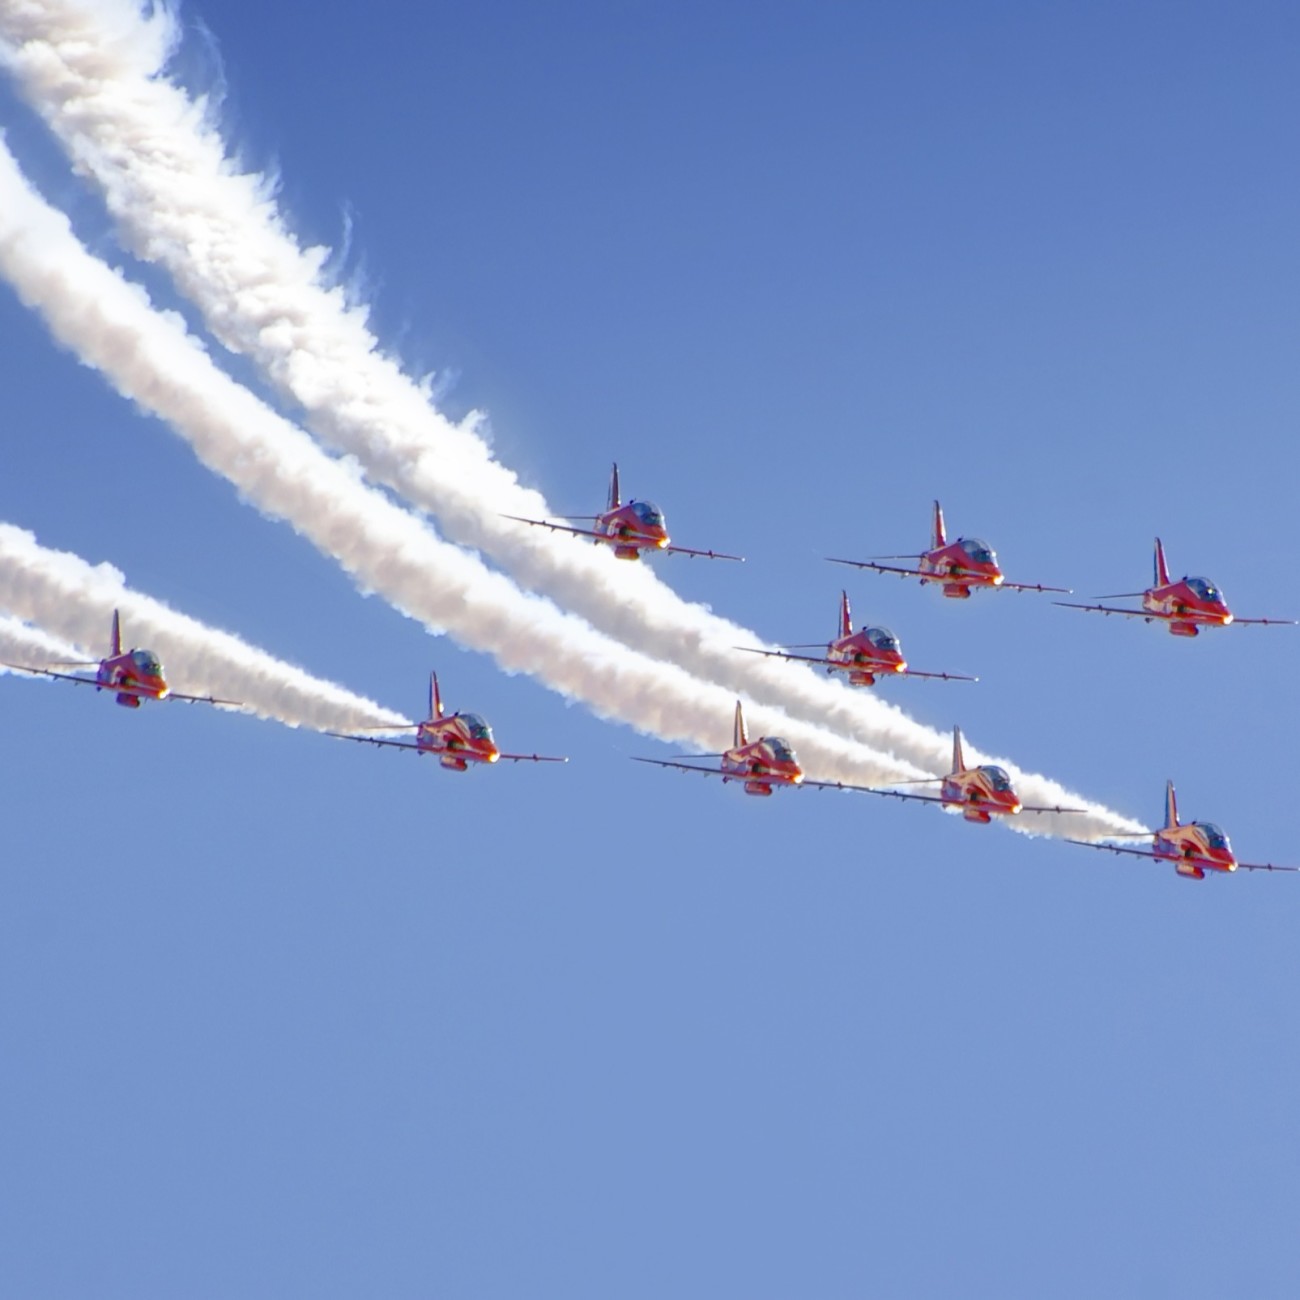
288 1016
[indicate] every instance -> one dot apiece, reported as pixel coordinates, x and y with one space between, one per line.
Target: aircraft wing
530 758
559 528
49 672
203 699
1111 609
947 677
1117 848
872 789
1262 622
708 555
375 740
1147 853
783 654
683 767
1054 808
882 568
1034 586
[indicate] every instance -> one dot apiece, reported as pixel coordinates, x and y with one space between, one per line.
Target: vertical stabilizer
1171 803
958 762
117 636
614 500
740 736
1162 569
938 537
435 697
846 615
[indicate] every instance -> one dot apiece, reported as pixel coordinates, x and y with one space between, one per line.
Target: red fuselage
457 741
1189 604
865 655
1194 848
761 765
135 675
633 527
981 793
958 566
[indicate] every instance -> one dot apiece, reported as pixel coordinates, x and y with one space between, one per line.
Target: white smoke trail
76 600
95 75
226 244
21 643
150 358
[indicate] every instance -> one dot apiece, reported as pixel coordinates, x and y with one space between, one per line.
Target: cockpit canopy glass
1214 837
882 638
147 662
648 513
998 778
477 728
1204 589
780 750
980 552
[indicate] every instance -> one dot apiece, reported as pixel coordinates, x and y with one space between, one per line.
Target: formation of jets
760 766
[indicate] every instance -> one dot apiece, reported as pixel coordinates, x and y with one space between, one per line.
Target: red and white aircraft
455 739
629 527
981 793
1192 847
864 655
760 765
134 675
1185 606
956 566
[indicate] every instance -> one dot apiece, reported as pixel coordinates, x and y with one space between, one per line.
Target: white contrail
149 358
75 600
20 643
228 248
95 75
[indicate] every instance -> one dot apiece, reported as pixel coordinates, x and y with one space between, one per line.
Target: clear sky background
284 1016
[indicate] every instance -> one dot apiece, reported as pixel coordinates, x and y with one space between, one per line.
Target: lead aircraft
958 567
864 655
1184 606
133 675
979 793
455 739
1192 847
629 527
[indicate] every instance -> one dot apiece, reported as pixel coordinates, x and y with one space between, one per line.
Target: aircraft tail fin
614 499
740 735
958 759
846 615
117 636
938 537
435 697
1162 569
1171 806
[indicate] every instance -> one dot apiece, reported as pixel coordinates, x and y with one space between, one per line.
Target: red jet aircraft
864 655
1192 847
1185 606
456 739
134 675
980 792
956 566
629 527
760 765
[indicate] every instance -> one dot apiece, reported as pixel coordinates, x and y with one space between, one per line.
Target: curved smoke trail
95 73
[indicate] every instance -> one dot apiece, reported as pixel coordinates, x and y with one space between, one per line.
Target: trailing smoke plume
76 600
149 358
94 72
